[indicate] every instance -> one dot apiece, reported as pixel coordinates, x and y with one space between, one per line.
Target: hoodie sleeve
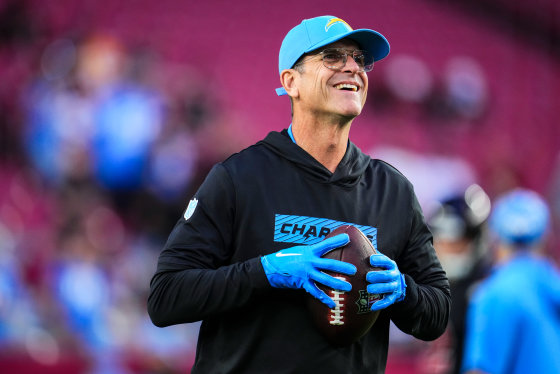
424 312
194 278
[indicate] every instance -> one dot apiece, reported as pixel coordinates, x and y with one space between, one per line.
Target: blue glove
389 282
300 267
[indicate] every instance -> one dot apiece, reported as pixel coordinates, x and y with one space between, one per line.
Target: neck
505 253
326 142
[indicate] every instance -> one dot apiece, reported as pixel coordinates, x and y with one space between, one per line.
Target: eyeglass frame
344 52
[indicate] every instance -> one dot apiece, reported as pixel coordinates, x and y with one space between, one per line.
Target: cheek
366 87
318 82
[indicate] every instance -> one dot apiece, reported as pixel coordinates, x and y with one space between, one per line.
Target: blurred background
112 113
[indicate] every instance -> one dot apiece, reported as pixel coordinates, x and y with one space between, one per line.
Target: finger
379 260
381 276
329 244
382 288
317 293
335 265
383 303
330 281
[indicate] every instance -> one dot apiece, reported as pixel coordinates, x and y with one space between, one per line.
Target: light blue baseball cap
317 32
520 217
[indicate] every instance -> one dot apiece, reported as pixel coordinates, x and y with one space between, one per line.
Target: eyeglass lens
336 58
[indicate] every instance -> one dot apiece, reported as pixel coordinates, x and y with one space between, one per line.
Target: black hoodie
274 195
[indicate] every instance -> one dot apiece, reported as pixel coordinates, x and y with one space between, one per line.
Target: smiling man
253 236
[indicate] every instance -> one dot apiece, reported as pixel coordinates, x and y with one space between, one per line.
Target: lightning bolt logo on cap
332 21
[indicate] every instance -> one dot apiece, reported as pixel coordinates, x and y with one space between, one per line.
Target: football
352 316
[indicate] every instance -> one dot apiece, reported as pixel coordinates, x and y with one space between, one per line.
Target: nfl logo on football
365 301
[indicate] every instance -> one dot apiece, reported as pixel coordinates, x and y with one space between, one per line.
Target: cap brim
369 40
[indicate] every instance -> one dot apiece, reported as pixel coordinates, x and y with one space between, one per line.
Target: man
252 237
513 321
460 240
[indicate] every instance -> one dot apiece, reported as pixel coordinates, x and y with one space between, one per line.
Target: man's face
326 92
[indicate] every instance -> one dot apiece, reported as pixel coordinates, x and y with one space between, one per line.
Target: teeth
346 85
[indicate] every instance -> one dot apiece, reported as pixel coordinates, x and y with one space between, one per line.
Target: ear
288 79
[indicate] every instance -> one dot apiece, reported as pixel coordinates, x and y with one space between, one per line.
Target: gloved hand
300 267
389 282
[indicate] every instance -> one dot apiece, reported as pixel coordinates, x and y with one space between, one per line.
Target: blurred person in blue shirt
513 321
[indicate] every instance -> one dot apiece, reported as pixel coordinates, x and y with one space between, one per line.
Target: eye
331 56
359 58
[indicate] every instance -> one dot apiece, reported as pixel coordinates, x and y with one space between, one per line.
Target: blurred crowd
101 145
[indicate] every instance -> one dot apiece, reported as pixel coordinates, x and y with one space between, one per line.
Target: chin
351 112
350 107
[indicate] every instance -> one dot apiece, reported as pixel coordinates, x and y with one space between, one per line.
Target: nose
351 65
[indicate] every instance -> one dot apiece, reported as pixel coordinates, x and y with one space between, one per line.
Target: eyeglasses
335 59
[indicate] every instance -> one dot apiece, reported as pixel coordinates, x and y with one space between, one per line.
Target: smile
346 86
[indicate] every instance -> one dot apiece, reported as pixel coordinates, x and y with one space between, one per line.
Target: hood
347 174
